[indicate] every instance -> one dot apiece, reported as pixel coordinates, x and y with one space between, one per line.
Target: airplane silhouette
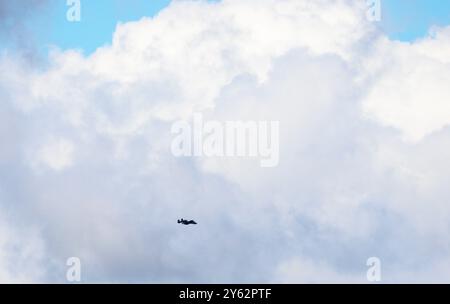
186 222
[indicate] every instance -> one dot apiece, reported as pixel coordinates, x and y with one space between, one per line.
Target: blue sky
408 20
99 19
405 20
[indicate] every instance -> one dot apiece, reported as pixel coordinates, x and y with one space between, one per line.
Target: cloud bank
86 168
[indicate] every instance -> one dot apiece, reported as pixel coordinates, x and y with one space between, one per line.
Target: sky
87 168
46 23
405 20
408 20
100 18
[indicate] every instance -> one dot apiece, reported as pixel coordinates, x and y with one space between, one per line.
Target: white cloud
22 255
299 271
409 89
347 187
57 154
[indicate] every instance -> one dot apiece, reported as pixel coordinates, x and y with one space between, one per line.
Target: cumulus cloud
410 93
86 160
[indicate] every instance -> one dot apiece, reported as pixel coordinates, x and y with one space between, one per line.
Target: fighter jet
186 222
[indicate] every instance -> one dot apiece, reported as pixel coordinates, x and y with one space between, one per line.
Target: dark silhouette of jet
186 222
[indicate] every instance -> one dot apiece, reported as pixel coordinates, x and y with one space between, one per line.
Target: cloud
311 272
363 141
57 154
410 93
22 255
